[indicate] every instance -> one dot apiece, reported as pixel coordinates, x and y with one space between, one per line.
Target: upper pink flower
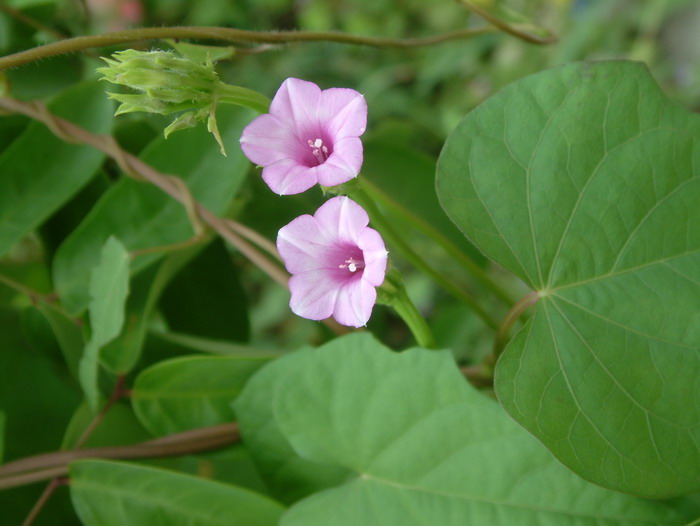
310 136
336 262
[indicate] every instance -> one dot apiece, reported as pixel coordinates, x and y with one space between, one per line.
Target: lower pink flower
336 262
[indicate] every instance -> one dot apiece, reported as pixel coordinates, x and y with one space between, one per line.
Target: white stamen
319 150
352 265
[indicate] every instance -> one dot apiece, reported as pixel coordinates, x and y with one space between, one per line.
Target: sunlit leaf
421 446
583 180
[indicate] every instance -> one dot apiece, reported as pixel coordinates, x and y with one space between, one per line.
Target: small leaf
109 287
583 181
190 392
117 493
422 446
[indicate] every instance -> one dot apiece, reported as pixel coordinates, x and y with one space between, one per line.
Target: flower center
319 150
353 265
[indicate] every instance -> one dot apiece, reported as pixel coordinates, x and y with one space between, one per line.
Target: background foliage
200 321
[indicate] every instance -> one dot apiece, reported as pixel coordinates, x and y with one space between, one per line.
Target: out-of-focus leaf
583 181
122 354
190 392
190 343
109 287
206 298
421 446
2 436
68 335
142 216
39 172
117 493
118 427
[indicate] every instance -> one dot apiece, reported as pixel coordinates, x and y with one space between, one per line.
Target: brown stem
513 314
226 34
50 465
117 393
171 185
43 499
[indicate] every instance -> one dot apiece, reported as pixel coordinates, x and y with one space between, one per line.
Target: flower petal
343 164
304 246
267 140
287 177
314 294
354 302
343 112
342 219
375 256
296 103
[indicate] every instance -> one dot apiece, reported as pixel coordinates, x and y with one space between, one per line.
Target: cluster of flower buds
166 83
308 137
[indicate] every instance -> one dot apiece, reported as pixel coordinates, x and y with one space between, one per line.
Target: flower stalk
393 294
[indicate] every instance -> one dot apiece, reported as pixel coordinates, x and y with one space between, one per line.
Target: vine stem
226 34
117 392
238 236
49 465
513 314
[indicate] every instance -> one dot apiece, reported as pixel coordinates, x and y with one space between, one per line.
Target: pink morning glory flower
336 262
310 136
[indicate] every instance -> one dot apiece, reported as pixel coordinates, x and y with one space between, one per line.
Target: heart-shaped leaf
421 446
583 180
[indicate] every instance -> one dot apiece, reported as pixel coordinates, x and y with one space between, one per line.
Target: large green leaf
422 446
190 392
117 493
144 217
583 180
39 172
109 288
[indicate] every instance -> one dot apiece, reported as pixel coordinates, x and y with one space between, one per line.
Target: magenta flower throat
310 136
336 262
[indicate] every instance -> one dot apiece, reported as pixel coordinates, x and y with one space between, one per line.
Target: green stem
466 262
393 293
243 97
416 260
513 314
226 34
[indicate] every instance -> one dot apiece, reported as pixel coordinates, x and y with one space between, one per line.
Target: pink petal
343 112
342 219
375 256
296 103
354 302
298 245
314 294
343 164
267 140
287 177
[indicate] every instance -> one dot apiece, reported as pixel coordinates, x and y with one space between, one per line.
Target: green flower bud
166 84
